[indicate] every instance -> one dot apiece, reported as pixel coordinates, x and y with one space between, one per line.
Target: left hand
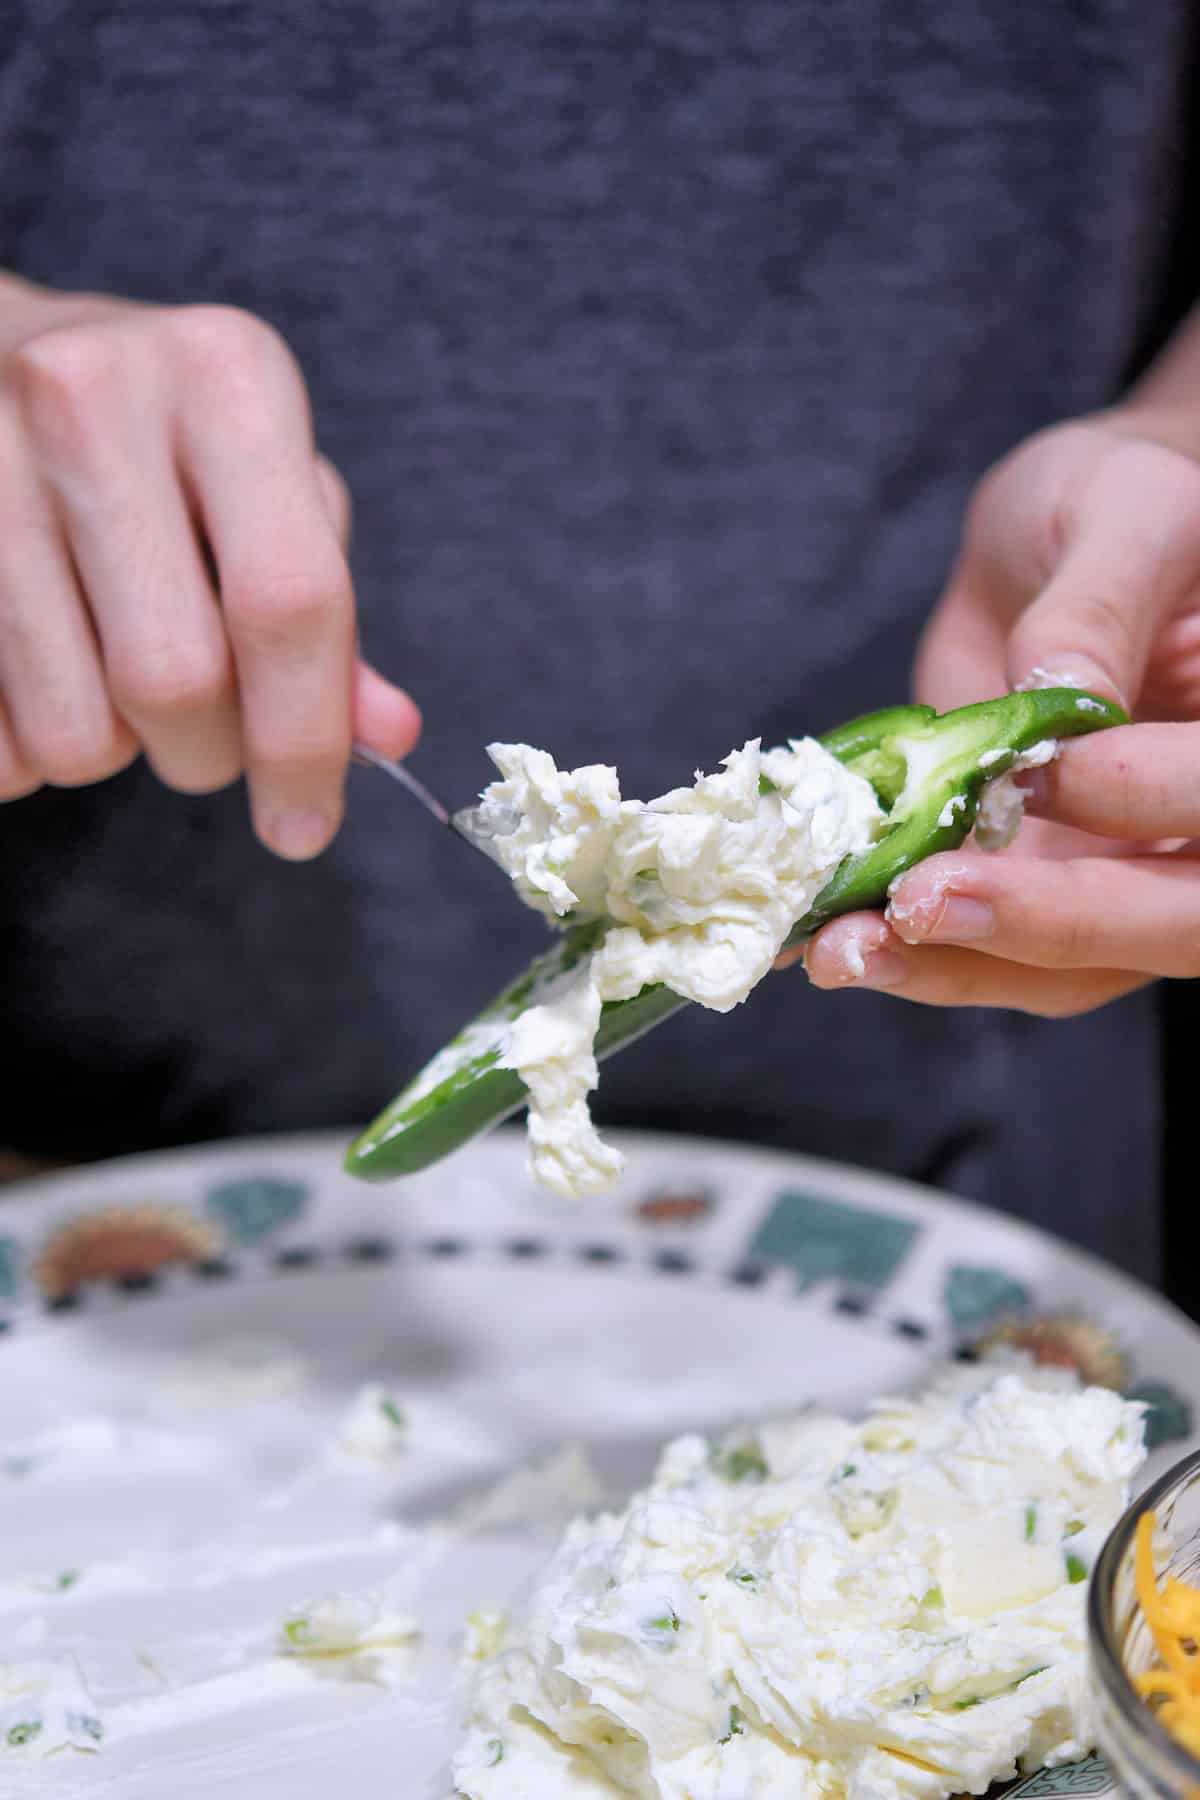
1081 562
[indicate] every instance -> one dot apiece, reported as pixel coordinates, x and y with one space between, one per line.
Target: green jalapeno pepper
928 771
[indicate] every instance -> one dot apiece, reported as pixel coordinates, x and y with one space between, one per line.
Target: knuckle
291 758
62 378
995 496
226 343
286 607
989 493
221 765
74 757
1104 614
337 497
164 679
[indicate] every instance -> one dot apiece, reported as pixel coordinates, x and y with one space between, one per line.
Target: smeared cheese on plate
346 1624
702 885
45 1705
823 1608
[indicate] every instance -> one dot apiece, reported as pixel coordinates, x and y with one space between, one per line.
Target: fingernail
298 835
963 921
881 969
1071 672
1043 675
913 918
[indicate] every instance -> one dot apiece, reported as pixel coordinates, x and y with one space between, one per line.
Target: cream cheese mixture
1002 803
702 885
823 1608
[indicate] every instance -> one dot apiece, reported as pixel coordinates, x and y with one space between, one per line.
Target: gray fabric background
661 345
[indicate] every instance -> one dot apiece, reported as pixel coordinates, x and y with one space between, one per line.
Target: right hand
173 576
1081 565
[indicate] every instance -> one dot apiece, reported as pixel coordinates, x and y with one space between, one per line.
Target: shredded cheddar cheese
1172 1612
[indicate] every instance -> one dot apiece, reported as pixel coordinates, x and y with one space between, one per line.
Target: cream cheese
45 1705
702 886
374 1426
485 1634
346 1624
1002 803
823 1608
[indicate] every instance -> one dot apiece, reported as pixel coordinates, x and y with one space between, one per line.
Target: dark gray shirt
661 344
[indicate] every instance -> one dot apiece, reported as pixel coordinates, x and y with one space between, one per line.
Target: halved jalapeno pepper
928 770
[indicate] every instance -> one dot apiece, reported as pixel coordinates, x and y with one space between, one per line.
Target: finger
1139 782
384 716
1130 554
17 777
1095 913
62 725
861 951
167 658
165 655
285 587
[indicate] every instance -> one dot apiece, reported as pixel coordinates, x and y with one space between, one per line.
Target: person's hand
1080 564
173 577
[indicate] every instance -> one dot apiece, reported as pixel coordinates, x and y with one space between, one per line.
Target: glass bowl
1143 1755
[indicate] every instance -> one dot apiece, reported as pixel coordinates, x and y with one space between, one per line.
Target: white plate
715 1284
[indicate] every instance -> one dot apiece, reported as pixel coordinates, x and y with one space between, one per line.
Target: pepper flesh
925 767
928 771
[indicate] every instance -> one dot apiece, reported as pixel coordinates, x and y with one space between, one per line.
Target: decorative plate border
815 1245
818 1246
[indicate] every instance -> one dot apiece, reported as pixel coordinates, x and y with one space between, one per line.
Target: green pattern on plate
1169 1414
1091 1776
8 1268
823 1240
254 1206
974 1297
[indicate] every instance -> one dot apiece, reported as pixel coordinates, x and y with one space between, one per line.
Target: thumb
1129 555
